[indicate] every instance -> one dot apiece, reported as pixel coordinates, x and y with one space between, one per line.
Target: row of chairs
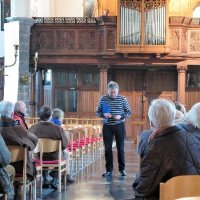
83 141
44 146
85 144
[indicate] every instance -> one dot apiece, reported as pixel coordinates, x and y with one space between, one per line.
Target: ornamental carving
153 4
101 39
44 40
65 40
184 41
195 41
176 20
111 36
182 68
103 67
133 4
175 38
86 40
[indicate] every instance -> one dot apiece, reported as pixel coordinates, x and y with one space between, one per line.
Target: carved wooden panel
101 39
65 40
175 40
44 39
194 41
184 40
86 40
111 39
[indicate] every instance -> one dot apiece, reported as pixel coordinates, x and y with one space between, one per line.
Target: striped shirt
114 106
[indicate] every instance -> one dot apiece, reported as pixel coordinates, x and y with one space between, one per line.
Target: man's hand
117 117
107 115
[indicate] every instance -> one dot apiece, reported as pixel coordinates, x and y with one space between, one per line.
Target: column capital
103 67
182 68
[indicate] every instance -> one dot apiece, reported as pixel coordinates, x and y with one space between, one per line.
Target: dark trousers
109 131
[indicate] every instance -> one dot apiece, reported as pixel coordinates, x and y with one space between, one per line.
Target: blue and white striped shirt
114 106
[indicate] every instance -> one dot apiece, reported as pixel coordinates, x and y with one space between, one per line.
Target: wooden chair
19 153
38 167
47 146
189 198
180 186
74 148
4 196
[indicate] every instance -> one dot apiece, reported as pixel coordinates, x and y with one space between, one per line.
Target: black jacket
174 152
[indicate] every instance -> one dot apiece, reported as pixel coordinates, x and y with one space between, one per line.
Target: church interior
63 53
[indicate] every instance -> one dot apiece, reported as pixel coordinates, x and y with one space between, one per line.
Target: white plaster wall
20 8
56 8
69 8
2 44
11 79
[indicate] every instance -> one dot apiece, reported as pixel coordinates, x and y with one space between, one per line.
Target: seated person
191 121
57 118
46 129
19 113
179 106
146 135
7 172
17 135
171 152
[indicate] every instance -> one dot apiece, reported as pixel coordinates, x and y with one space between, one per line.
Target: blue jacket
4 153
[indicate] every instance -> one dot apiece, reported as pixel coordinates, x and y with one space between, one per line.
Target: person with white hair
171 152
191 121
14 134
19 113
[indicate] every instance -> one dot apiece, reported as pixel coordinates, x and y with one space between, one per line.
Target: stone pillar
17 31
103 78
182 68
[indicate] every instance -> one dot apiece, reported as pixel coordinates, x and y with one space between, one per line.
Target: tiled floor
90 185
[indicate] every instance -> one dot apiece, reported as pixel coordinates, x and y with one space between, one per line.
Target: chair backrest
189 198
17 153
48 145
180 186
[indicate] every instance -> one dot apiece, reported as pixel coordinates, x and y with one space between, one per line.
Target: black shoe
46 184
54 183
107 173
69 179
122 173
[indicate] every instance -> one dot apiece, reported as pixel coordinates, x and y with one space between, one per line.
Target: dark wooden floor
90 185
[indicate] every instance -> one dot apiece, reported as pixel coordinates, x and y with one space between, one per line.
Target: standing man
114 109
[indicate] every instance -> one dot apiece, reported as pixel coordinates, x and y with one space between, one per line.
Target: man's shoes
122 172
46 184
54 183
69 179
107 173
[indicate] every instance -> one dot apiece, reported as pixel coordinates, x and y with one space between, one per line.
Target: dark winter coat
172 153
